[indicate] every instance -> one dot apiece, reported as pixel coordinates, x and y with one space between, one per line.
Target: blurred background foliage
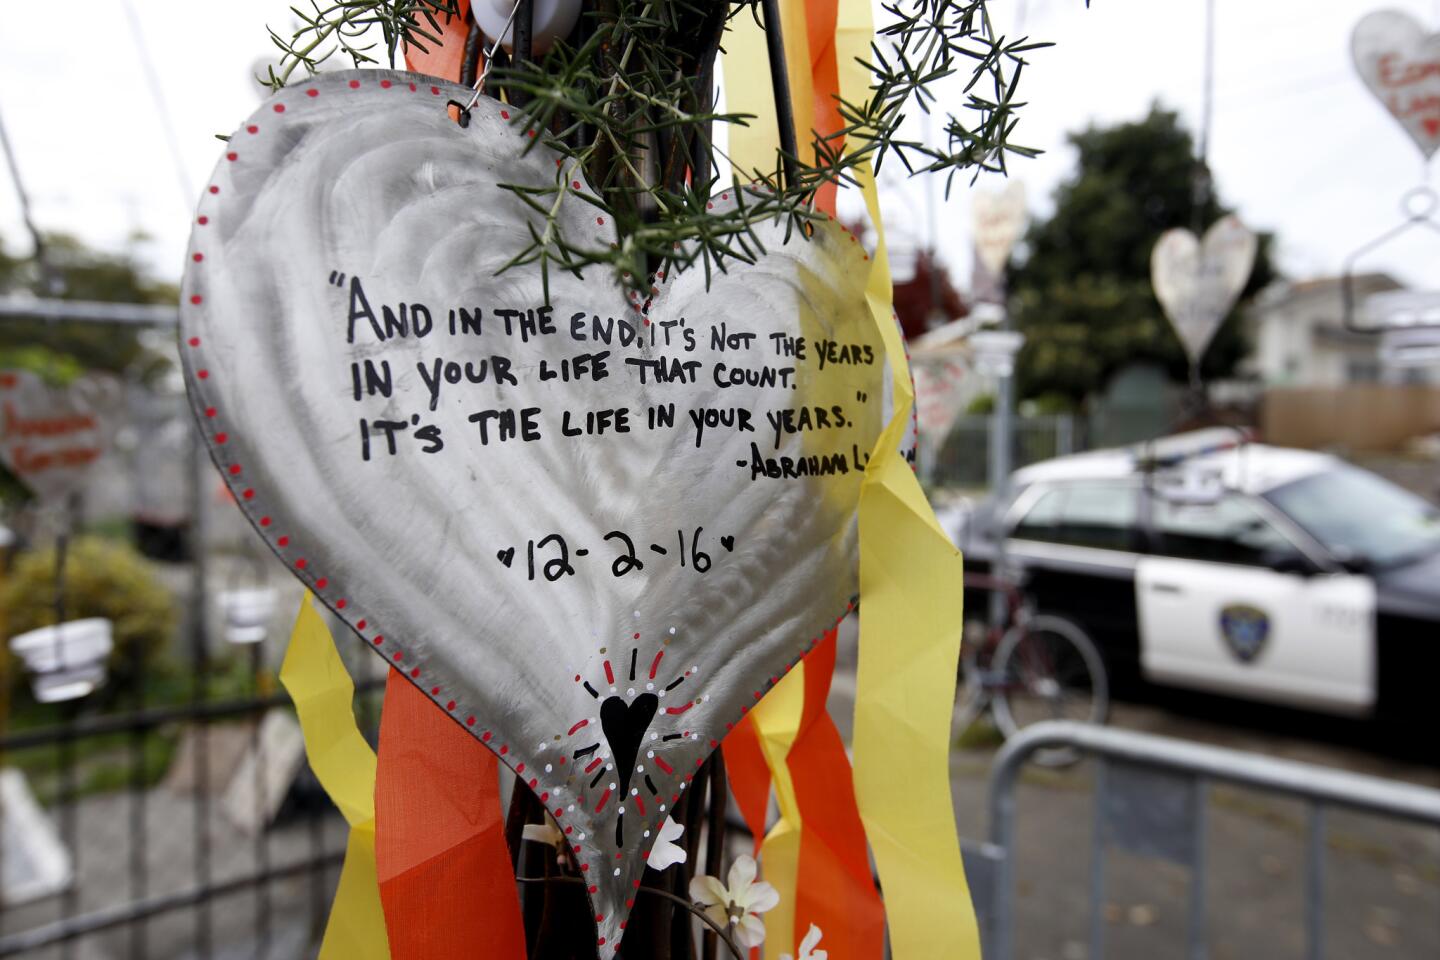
103 578
62 351
1081 293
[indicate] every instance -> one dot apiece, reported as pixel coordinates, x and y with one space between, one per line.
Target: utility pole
995 352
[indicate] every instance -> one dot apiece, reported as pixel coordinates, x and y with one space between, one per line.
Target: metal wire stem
490 56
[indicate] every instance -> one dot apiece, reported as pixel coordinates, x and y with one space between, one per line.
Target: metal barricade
1175 777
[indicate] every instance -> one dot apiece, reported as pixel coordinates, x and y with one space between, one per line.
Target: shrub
102 579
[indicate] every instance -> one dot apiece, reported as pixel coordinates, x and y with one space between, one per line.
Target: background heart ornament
52 437
1000 216
1198 282
1400 63
593 530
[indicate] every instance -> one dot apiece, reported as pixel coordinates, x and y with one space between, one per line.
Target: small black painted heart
728 543
625 725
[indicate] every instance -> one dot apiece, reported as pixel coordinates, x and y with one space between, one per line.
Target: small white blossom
543 833
666 852
807 947
738 905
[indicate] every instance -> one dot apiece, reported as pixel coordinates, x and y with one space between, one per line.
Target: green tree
65 349
1083 297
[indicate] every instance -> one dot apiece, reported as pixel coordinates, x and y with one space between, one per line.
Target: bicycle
1033 667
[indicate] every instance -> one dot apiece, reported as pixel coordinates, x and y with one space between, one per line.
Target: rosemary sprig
629 101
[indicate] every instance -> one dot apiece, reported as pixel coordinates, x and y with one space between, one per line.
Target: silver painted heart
593 528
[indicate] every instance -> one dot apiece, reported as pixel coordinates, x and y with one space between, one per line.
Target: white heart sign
593 529
1198 282
1000 217
1400 63
52 437
941 379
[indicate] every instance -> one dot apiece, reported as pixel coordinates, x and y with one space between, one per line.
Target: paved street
1382 887
161 829
1382 890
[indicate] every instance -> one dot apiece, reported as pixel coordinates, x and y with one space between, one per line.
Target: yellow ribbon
909 584
318 682
776 717
777 721
910 625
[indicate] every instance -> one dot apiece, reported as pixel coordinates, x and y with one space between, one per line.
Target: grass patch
980 735
102 764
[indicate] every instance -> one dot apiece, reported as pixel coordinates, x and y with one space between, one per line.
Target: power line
54 285
157 94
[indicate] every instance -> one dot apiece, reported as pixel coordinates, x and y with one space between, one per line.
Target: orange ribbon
748 776
446 881
820 19
834 888
445 58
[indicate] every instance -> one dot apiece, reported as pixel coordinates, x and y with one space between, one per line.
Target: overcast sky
1298 146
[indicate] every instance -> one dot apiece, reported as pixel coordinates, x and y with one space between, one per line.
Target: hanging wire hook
490 59
1418 207
1419 203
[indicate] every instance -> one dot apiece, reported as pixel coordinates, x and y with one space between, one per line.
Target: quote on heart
431 379
519 351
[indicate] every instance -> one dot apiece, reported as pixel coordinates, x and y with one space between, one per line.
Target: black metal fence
963 460
143 801
170 813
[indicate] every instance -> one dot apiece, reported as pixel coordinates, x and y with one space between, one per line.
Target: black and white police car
1209 562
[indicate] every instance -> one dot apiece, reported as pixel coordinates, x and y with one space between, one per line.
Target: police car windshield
1361 516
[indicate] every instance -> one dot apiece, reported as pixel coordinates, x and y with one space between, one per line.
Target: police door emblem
1245 630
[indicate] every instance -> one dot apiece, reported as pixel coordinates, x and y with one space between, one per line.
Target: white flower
807 946
666 852
739 905
543 833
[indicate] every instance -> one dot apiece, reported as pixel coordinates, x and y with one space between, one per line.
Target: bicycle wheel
1052 671
976 655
